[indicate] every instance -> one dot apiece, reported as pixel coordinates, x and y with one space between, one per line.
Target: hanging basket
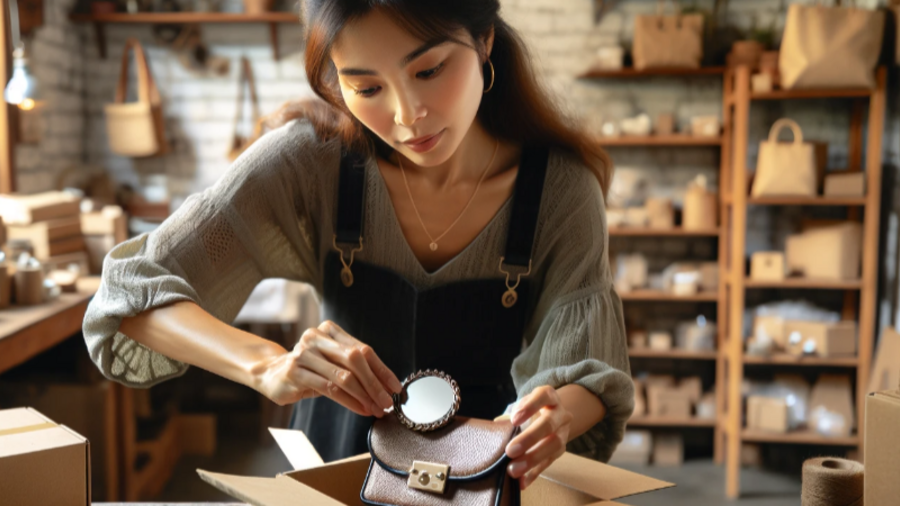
257 6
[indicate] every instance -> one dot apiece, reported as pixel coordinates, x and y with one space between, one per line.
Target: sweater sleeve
577 332
254 223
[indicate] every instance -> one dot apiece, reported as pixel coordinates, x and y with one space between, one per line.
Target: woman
444 211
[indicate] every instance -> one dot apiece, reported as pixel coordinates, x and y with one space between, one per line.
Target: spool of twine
831 481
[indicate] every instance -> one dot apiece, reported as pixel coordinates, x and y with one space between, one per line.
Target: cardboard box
886 367
831 252
665 124
767 413
45 232
635 448
570 481
833 392
640 404
110 220
42 463
20 209
660 212
667 402
88 409
661 341
772 326
668 449
693 386
845 184
768 266
882 488
761 83
831 339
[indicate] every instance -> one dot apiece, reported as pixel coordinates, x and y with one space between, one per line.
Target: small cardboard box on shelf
882 488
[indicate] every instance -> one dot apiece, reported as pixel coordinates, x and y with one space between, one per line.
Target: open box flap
297 448
599 480
278 491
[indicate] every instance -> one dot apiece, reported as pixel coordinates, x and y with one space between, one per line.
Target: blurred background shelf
661 296
673 354
673 140
803 437
657 232
633 72
647 421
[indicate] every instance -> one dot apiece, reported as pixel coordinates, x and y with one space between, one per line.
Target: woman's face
403 90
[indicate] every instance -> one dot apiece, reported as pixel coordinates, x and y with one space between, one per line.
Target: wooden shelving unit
736 112
629 72
656 232
273 19
647 421
676 354
792 361
673 140
661 296
643 296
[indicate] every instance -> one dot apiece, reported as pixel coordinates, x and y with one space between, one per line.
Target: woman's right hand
328 361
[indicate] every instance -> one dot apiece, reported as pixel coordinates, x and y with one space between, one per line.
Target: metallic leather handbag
436 459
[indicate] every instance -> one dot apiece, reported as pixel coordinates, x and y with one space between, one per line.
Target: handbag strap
246 76
147 91
789 123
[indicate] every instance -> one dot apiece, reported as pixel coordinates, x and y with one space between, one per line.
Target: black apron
463 328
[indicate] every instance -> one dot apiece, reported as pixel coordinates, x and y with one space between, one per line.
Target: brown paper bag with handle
136 129
830 47
785 168
667 40
240 143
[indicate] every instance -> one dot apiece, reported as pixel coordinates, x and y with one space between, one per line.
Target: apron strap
526 206
351 185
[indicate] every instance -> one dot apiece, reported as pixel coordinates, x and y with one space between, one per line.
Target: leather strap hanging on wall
238 142
136 129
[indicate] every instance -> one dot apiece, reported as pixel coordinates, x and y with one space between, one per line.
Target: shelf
789 200
632 72
101 20
661 296
673 354
649 421
660 140
808 283
187 17
803 437
790 360
818 93
660 232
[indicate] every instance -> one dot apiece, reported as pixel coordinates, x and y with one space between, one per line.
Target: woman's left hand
543 440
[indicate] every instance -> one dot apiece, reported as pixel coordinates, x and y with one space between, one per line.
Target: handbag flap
471 447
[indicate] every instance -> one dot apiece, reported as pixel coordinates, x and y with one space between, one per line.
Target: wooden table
26 331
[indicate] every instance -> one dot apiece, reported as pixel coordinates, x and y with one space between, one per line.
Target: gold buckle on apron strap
510 296
346 274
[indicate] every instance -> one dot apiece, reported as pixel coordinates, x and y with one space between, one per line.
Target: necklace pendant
509 298
433 246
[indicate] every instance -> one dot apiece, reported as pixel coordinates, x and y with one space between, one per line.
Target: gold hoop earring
492 76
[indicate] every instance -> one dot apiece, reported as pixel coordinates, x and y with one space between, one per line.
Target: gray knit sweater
271 216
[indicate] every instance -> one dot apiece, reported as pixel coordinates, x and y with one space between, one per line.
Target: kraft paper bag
136 129
667 40
830 47
785 168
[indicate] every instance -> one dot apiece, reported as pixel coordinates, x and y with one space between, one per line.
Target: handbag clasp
428 476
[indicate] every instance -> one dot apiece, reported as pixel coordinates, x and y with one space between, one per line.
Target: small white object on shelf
639 125
705 126
609 58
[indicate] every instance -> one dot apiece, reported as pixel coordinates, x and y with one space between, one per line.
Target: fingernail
395 385
516 468
514 450
385 400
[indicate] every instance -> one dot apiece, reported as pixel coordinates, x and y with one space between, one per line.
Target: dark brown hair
517 109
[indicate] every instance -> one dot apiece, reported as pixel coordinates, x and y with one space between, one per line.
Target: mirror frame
426 427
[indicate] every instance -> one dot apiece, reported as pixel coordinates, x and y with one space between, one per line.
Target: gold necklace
434 241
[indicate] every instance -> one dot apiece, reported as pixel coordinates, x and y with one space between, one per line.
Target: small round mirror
427 401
